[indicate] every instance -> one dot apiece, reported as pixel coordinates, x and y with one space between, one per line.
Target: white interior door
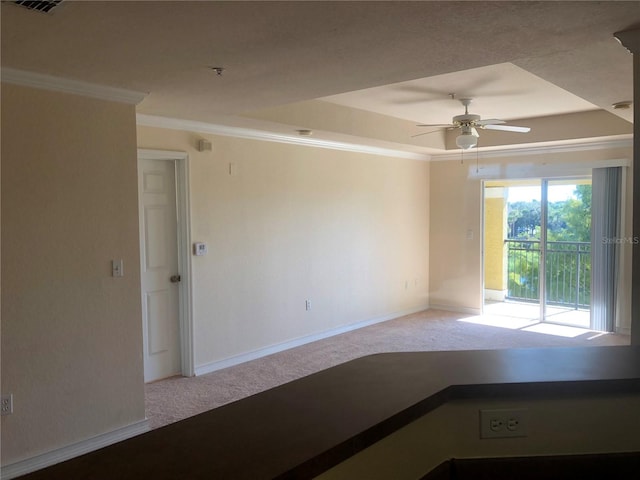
159 268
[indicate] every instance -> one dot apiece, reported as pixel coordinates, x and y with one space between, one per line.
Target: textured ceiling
502 91
547 58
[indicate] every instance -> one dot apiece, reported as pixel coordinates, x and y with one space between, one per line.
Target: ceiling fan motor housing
466 119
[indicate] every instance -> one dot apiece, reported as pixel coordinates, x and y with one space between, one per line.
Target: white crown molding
253 134
624 141
37 462
65 85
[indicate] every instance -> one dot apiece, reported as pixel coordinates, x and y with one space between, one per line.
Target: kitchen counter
302 428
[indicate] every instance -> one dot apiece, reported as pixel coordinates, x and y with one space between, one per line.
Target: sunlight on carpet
525 325
557 330
512 323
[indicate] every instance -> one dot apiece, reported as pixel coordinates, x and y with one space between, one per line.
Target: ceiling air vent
40 5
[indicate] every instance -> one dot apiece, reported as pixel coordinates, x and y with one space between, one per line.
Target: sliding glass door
537 249
551 247
565 254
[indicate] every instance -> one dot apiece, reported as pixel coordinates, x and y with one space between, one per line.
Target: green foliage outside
568 258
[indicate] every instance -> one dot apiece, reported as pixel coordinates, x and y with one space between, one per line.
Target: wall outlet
504 423
6 403
307 305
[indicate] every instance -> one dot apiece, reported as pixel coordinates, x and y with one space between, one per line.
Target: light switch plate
117 268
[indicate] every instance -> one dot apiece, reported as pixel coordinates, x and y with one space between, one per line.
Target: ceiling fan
468 123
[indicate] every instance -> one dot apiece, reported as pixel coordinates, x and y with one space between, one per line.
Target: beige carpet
176 398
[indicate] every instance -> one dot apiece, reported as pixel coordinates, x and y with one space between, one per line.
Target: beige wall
349 232
600 424
71 334
454 248
455 273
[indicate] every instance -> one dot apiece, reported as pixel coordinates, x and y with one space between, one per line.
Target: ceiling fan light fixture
466 140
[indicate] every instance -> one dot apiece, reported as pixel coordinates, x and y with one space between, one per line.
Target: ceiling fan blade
425 133
442 125
490 121
508 128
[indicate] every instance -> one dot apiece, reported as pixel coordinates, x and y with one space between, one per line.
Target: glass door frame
542 255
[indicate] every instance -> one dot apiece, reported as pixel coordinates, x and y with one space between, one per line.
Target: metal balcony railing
568 272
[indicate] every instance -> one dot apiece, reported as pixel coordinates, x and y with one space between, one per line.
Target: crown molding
65 85
623 141
253 134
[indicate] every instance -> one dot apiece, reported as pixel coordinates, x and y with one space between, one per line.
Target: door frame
183 210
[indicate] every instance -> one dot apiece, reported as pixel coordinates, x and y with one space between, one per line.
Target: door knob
175 278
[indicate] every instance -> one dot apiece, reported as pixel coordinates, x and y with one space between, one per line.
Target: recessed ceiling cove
498 91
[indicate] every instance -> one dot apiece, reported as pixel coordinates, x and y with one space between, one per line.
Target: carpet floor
175 398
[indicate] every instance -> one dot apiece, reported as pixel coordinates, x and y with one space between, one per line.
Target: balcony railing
568 272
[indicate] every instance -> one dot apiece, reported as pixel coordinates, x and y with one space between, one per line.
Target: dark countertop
305 427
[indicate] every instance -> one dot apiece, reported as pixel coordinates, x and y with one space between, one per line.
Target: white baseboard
495 295
457 309
262 352
58 455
